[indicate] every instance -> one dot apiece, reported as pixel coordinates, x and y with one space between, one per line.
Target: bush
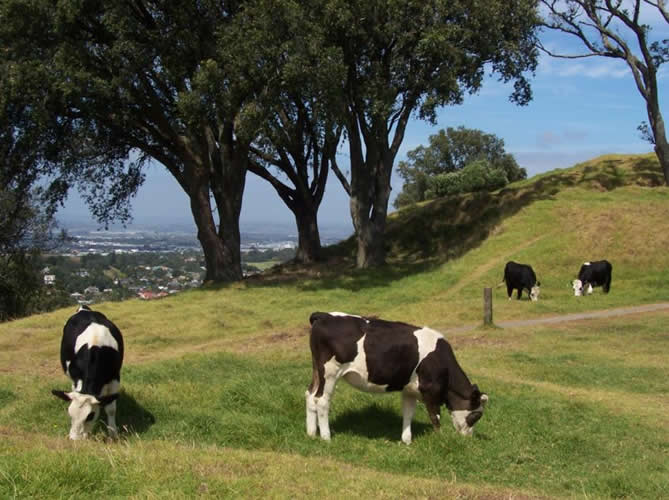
477 176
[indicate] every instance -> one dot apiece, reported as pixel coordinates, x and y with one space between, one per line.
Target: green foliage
477 176
457 160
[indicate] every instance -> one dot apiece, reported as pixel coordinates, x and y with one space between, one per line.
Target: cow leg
323 406
312 414
408 410
509 291
607 285
433 412
520 292
312 411
110 410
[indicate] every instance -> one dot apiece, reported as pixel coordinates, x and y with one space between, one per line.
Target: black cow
91 354
381 356
520 277
593 274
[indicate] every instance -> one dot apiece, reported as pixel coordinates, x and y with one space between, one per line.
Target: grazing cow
520 277
91 354
593 274
382 356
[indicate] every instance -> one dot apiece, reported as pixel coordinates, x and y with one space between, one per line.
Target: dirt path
607 313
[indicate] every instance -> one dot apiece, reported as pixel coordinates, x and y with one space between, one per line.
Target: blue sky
582 108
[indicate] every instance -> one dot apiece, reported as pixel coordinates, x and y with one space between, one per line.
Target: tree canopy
211 89
616 29
439 168
412 57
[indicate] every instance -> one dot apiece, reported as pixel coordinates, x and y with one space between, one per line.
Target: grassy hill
214 379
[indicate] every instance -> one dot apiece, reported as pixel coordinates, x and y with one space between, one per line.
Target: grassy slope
214 378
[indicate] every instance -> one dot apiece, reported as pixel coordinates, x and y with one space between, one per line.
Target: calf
521 277
382 356
91 354
593 274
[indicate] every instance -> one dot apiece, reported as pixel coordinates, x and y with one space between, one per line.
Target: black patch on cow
332 336
519 277
95 366
442 380
391 350
597 273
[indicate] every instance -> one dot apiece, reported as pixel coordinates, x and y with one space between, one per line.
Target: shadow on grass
132 417
374 422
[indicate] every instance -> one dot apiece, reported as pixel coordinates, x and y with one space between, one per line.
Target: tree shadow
132 418
375 422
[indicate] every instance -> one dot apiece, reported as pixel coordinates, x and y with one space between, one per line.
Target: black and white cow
91 354
374 355
593 274
520 277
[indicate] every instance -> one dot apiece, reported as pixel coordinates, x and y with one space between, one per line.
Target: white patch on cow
589 289
95 335
78 385
356 374
534 293
408 410
586 263
427 342
577 285
81 406
459 418
337 313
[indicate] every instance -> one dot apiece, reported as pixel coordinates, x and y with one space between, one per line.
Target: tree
297 138
614 29
449 152
28 140
139 82
412 57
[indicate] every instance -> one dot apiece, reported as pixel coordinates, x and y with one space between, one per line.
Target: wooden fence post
487 306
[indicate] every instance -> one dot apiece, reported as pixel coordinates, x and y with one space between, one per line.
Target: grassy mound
214 379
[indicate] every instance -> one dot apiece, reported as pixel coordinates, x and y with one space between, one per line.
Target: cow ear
61 394
538 283
105 400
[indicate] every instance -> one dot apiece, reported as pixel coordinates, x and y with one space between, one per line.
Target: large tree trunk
309 240
229 167
370 192
660 138
221 254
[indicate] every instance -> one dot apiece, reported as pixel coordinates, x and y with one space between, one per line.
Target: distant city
161 236
151 259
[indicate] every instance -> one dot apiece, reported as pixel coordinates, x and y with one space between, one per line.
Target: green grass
214 379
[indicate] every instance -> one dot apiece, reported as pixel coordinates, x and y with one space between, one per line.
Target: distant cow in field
91 354
520 277
593 274
374 355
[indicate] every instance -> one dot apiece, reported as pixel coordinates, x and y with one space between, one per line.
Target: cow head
581 288
464 420
84 411
534 292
